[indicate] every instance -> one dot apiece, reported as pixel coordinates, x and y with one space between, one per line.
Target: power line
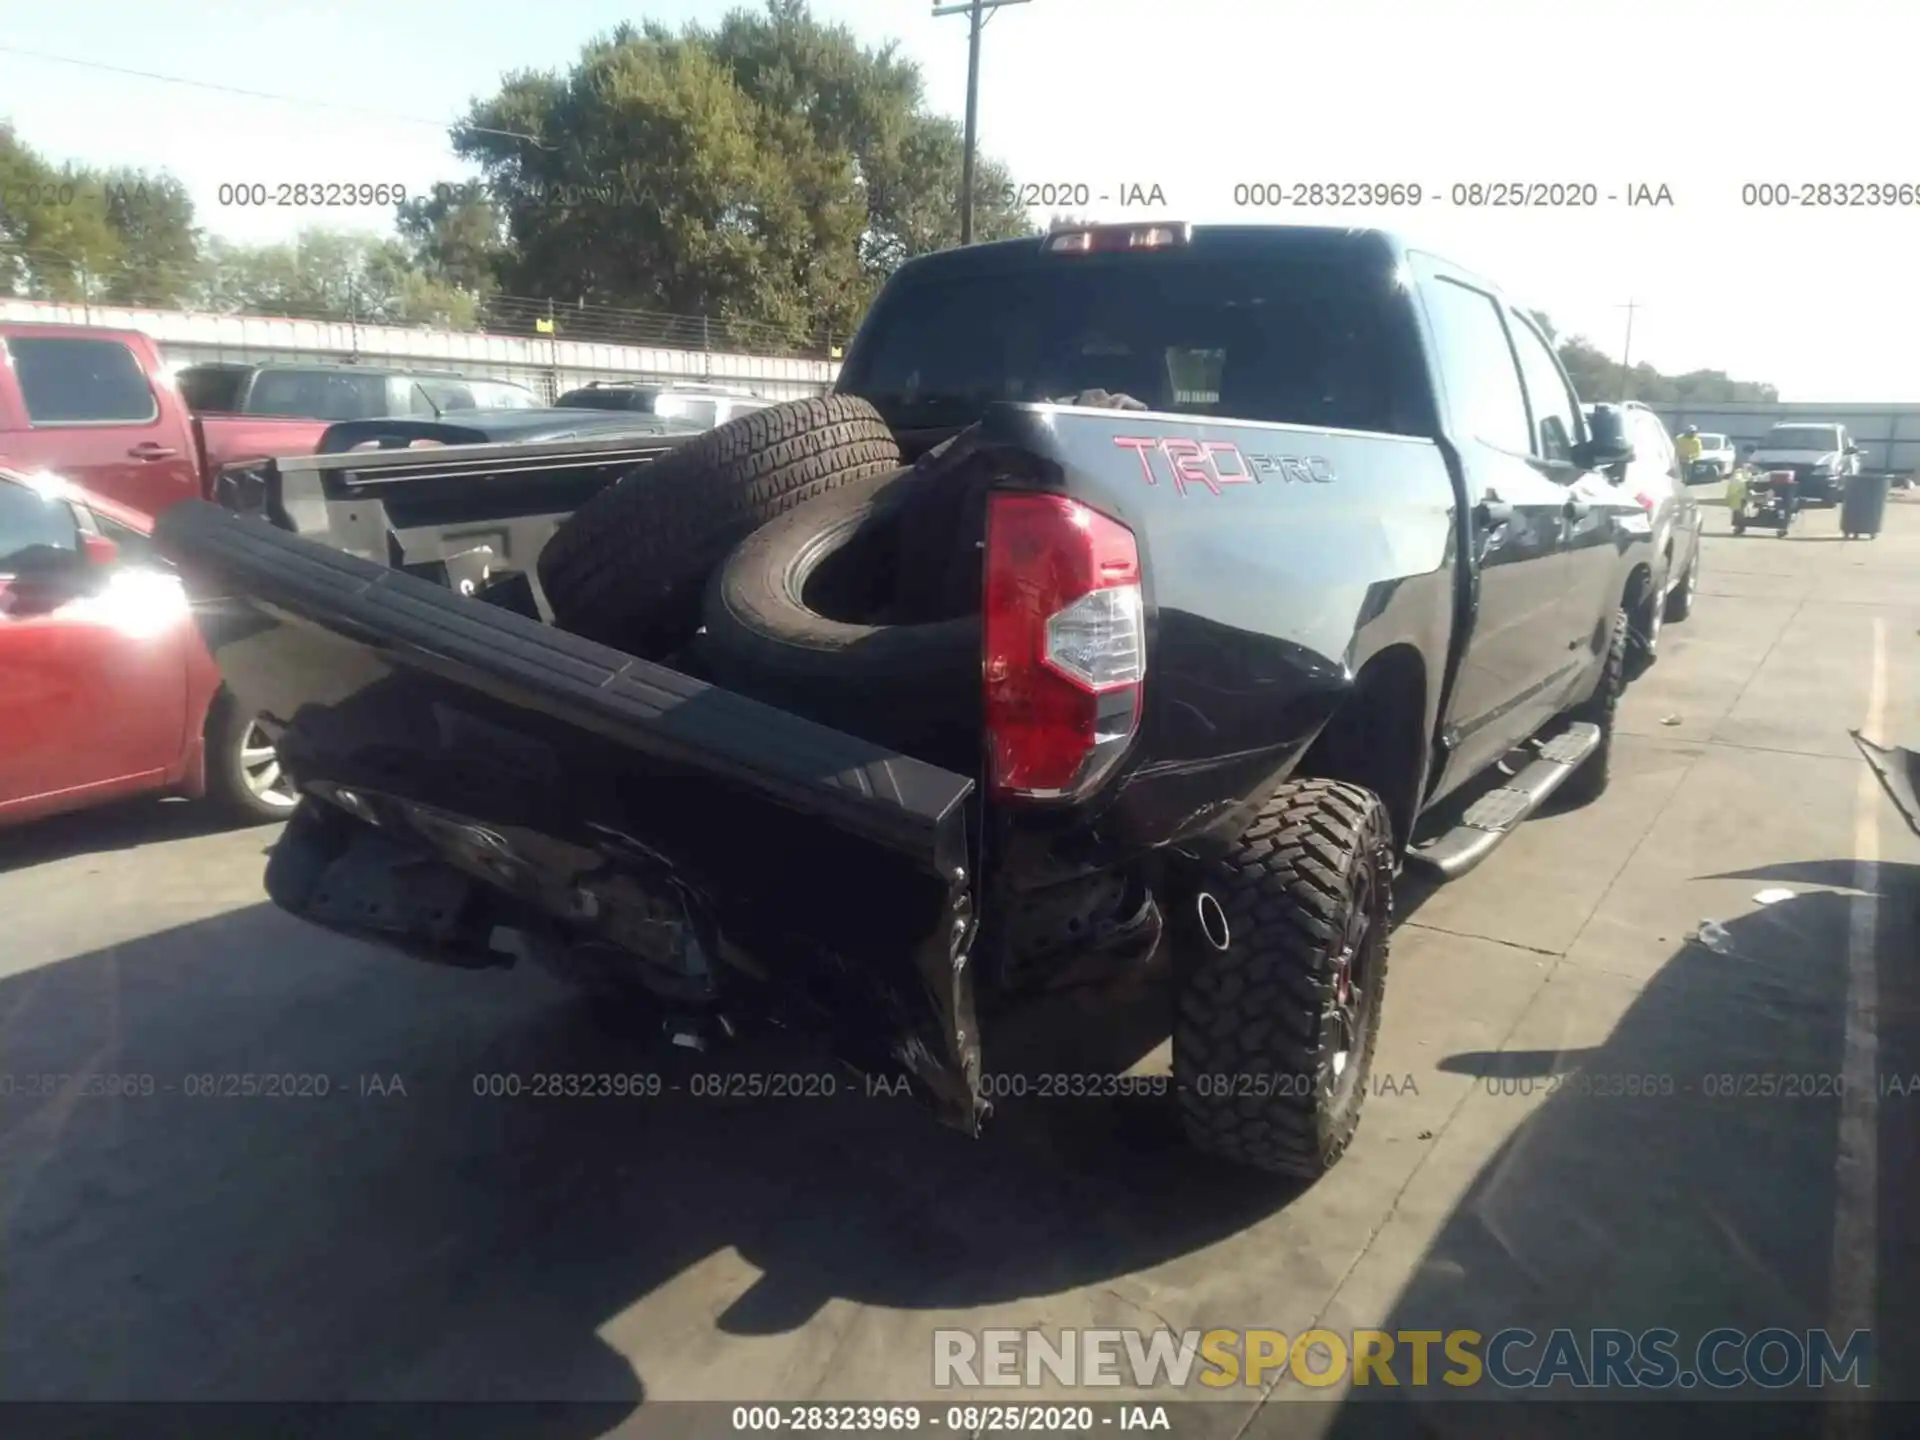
976 13
266 95
1626 354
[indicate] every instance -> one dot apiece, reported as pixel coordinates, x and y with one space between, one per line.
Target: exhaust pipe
1213 920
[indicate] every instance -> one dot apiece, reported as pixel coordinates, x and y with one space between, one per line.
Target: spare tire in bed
915 688
627 567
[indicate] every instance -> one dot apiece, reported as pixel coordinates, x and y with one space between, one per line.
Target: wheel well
1378 737
1638 584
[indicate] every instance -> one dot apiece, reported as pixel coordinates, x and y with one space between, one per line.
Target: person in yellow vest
1687 447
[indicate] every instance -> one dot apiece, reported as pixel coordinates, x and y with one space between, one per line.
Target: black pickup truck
1338 582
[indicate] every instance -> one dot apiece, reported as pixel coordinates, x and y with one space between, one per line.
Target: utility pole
1626 354
976 13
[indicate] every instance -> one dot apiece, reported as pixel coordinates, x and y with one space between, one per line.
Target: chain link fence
387 298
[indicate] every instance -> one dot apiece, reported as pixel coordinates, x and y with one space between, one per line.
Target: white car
1718 451
1821 457
1653 479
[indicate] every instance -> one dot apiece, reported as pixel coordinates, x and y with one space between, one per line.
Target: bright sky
1195 96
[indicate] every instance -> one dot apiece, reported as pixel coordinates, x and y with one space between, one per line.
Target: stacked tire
629 567
721 548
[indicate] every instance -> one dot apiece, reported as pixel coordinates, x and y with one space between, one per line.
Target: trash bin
1863 507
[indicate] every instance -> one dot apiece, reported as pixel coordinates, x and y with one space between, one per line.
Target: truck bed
421 506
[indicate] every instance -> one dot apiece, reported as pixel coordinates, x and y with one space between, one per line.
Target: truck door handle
152 450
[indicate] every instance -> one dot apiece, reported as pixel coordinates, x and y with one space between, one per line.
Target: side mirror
1606 446
98 551
43 562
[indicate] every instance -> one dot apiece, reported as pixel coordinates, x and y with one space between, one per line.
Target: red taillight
1646 501
1065 645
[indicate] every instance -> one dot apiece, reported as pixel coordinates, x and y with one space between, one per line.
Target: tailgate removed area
478 787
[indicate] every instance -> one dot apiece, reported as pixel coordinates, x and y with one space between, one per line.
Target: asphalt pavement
1571 1123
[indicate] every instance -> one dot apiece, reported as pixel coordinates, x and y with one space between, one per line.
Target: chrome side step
1491 818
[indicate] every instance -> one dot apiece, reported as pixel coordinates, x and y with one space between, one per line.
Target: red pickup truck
100 408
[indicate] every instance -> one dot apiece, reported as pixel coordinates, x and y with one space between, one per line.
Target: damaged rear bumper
476 784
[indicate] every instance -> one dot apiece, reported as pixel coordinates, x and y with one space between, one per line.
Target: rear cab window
70 381
1284 334
318 395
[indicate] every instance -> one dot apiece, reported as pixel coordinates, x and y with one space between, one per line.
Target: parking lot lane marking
1856 1163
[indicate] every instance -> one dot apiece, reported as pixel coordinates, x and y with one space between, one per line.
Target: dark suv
333 391
703 405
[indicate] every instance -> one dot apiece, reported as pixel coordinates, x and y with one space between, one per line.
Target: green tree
770 170
53 228
457 235
1597 377
870 105
326 274
69 232
159 260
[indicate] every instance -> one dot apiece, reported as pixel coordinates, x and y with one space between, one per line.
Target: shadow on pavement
122 825
1710 1198
400 1237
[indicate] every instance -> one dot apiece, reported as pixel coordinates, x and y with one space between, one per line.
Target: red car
106 689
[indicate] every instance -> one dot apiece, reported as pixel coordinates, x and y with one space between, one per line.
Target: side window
135 545
1476 363
29 519
81 382
1669 457
1652 443
1549 399
212 388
